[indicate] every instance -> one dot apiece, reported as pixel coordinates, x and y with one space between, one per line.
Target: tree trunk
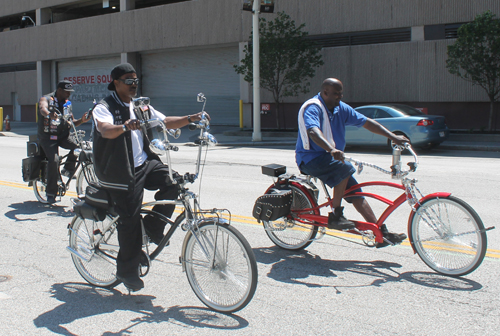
278 124
490 119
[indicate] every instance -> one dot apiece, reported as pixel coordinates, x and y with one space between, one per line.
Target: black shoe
132 282
154 228
51 199
337 221
154 237
390 237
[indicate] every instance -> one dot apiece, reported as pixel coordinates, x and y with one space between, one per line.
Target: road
333 287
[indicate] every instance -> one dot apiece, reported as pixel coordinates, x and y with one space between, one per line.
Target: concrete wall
20 82
185 24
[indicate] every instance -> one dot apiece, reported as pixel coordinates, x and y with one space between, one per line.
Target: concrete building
383 51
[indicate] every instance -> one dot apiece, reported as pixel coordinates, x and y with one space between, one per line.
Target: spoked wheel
288 233
85 175
220 266
448 235
39 187
94 248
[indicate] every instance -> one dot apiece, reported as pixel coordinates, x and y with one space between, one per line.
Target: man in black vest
53 132
125 166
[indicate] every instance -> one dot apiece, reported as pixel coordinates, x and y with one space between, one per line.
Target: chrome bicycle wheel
85 175
448 236
94 248
288 233
220 266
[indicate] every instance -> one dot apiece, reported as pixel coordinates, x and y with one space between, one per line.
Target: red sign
422 109
265 107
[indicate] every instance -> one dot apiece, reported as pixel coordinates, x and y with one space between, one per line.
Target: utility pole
257 135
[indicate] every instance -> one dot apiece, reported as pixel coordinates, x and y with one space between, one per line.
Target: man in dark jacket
125 166
53 132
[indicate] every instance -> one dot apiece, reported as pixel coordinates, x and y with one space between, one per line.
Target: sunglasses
130 81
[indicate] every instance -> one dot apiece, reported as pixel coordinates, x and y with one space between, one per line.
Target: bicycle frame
312 216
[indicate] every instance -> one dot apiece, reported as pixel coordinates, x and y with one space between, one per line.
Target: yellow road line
491 253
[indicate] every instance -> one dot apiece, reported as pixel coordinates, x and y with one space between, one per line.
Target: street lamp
266 6
25 19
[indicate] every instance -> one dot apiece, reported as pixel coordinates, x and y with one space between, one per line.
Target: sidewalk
233 136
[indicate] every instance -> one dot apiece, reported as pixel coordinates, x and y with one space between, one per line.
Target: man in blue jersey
322 119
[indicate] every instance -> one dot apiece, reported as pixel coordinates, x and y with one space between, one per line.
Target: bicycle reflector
425 122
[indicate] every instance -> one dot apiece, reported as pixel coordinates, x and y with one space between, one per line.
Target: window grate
361 38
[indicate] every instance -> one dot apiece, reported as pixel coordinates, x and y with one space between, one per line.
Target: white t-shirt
102 114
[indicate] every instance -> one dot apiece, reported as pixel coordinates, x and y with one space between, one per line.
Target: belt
141 166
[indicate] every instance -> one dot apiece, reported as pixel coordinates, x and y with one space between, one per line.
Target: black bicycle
219 262
84 171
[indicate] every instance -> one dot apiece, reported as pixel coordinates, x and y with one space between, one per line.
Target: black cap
118 71
65 85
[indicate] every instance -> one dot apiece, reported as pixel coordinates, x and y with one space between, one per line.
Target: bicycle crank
368 237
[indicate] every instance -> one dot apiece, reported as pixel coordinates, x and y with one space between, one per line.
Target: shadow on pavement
296 267
81 301
33 208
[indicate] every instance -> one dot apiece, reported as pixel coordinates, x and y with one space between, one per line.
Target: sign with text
90 80
266 6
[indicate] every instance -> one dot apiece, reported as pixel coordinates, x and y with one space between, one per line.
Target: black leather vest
45 128
114 158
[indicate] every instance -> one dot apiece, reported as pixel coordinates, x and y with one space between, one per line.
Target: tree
475 56
287 59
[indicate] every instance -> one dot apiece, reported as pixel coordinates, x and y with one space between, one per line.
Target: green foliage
475 55
287 58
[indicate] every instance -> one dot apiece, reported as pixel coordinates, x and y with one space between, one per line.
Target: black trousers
152 175
51 149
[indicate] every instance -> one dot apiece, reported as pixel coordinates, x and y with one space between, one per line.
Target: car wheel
430 146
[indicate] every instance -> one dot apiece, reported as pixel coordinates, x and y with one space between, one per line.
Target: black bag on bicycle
32 168
273 205
96 205
97 196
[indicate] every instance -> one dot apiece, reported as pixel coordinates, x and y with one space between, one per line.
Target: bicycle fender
412 213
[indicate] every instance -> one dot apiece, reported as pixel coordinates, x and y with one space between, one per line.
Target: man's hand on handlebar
337 154
400 140
132 124
198 116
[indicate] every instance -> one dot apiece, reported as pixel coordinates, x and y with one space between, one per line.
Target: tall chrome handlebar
161 144
396 170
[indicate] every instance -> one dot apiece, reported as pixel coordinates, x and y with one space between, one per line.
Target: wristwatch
124 128
189 118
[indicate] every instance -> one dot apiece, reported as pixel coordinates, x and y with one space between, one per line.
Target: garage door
173 79
90 78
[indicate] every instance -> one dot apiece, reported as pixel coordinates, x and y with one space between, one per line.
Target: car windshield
408 110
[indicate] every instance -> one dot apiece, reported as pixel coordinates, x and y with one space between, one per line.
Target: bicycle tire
229 284
84 176
39 188
289 234
448 235
96 264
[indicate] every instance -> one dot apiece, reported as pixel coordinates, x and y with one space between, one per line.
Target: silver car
425 131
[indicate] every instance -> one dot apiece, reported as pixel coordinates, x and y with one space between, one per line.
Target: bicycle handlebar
163 145
396 169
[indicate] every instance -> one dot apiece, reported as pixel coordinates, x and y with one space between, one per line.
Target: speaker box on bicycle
33 147
273 205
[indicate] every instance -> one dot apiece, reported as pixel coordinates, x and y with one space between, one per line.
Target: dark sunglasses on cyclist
130 81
